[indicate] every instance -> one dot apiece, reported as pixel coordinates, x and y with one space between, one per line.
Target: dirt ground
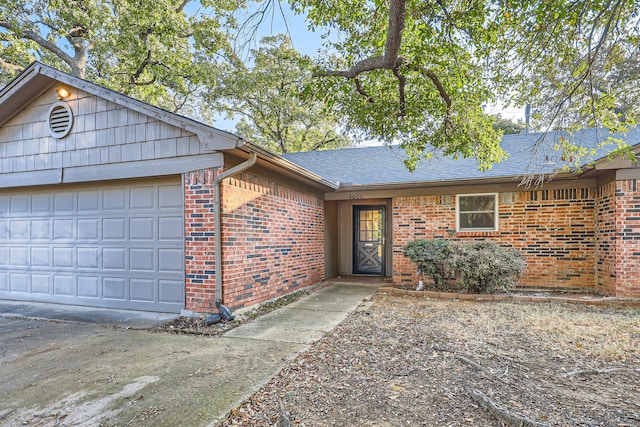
409 361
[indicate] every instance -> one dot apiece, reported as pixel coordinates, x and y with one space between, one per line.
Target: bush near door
481 267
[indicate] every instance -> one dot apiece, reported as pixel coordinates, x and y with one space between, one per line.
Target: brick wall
606 239
199 241
554 229
421 217
272 239
627 220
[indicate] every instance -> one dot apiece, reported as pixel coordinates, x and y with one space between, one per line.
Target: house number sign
356 196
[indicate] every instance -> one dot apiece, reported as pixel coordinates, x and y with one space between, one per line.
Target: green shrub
486 267
432 258
482 267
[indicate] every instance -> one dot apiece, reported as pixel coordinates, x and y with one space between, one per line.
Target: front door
368 246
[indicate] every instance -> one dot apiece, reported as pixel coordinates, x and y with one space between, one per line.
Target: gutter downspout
225 313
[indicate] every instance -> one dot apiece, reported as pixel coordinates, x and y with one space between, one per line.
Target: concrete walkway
85 374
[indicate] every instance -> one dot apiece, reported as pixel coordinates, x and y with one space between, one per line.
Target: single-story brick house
106 201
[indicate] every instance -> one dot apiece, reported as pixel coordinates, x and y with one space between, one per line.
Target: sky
304 40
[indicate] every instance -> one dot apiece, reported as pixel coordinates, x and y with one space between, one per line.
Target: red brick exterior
606 239
272 240
618 227
273 237
199 241
554 229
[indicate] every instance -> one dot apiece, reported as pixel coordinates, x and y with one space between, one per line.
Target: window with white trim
477 212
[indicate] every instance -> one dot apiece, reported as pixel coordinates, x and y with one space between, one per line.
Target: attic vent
60 120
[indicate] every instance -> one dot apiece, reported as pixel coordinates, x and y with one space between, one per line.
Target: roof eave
280 162
514 179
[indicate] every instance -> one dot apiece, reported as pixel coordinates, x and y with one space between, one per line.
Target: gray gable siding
102 133
106 141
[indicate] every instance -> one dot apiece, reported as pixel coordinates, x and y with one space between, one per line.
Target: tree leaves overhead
155 51
567 57
273 97
418 72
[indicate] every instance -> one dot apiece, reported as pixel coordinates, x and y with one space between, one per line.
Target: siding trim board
141 169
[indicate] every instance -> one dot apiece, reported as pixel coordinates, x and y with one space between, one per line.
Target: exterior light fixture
62 93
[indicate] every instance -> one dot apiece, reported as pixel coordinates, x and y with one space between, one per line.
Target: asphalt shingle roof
384 164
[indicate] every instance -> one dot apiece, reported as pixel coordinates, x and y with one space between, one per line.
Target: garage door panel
88 229
114 199
114 259
114 288
169 197
142 259
63 202
4 229
19 256
40 257
20 204
89 286
142 290
170 291
142 198
41 229
63 257
170 260
114 229
63 229
40 203
88 258
88 201
19 230
170 228
19 282
63 284
142 228
103 245
41 284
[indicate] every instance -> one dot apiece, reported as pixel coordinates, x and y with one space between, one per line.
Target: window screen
477 212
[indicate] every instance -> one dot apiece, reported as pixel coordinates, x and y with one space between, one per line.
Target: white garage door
115 245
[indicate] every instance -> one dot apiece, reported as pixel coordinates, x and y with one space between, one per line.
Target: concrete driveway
62 373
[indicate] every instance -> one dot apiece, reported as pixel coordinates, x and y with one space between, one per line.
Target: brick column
199 241
627 249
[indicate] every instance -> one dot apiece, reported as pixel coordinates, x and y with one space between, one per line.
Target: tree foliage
419 71
155 51
507 126
270 96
